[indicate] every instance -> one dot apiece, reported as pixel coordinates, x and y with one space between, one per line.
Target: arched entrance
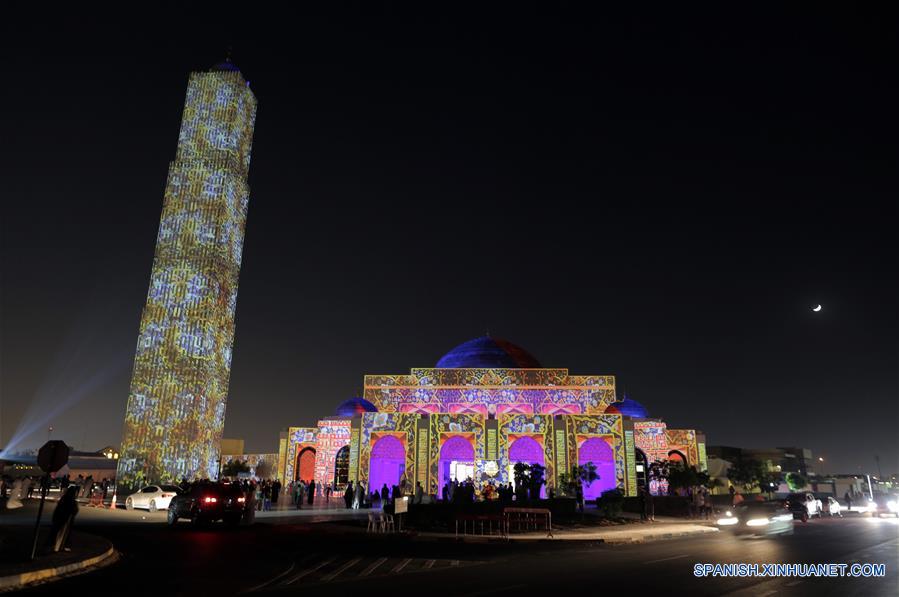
456 461
342 467
677 457
599 452
387 463
642 469
527 450
305 465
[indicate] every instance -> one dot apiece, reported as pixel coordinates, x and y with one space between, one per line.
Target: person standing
63 518
360 492
348 495
301 494
328 492
643 510
311 495
276 492
419 492
848 499
15 495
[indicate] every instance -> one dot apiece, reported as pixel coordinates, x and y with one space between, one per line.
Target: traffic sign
53 456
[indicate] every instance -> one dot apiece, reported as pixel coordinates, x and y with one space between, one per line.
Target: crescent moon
816 309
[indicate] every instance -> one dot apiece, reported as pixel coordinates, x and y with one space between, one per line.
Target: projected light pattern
179 387
491 391
683 441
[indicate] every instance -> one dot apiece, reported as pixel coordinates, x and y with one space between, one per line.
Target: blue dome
629 408
226 66
488 353
355 406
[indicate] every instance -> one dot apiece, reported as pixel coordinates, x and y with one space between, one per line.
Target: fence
531 519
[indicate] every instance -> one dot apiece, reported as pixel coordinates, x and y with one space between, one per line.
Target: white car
832 506
152 497
804 506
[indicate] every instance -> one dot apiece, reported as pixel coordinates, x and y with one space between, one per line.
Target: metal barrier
96 498
478 521
530 518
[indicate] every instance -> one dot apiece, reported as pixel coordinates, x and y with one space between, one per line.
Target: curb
658 537
19 581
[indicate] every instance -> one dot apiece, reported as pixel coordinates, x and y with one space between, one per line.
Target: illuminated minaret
179 387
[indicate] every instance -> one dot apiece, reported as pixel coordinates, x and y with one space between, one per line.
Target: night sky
660 197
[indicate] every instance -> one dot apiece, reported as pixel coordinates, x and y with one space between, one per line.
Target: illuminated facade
179 386
487 405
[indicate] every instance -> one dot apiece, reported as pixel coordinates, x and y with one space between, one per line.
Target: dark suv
208 502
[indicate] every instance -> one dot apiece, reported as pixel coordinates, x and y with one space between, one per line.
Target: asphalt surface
291 555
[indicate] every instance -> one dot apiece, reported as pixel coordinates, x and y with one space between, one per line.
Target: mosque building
486 405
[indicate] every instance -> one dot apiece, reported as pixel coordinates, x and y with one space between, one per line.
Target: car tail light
168 495
210 500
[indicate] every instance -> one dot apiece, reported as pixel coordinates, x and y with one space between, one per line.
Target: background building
179 387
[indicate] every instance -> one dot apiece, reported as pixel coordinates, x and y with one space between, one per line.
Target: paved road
287 558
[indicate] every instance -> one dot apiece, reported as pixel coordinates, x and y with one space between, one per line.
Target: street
287 555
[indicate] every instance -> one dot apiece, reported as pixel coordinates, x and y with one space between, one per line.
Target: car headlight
893 505
756 522
727 521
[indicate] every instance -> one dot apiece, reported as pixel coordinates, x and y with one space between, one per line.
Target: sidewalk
17 571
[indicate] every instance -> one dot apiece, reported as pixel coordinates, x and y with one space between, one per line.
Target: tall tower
179 387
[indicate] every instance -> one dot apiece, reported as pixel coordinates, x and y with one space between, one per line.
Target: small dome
488 353
354 407
628 408
226 66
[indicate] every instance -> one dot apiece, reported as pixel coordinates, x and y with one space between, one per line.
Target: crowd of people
14 491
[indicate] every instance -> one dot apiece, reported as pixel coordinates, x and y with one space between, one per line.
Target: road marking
373 566
399 567
341 570
686 555
454 563
309 571
429 564
273 579
793 584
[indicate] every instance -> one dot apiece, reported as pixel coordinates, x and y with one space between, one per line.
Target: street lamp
821 460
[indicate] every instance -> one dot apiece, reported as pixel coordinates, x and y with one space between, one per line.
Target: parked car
804 506
209 502
758 518
832 506
151 497
884 503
